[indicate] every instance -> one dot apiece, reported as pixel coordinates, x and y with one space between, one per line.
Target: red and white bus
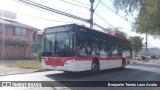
77 48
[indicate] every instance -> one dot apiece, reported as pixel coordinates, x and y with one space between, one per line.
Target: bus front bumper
70 65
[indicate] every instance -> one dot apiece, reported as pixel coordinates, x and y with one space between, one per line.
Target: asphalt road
149 71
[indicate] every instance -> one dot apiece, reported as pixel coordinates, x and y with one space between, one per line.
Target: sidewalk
5 70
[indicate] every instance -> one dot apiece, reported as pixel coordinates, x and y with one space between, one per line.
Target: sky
42 19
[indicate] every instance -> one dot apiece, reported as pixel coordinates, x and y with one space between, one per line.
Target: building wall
15 51
9 34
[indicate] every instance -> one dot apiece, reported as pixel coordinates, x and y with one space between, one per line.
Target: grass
136 61
23 64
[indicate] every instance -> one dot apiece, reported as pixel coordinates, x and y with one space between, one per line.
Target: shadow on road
129 74
104 75
78 75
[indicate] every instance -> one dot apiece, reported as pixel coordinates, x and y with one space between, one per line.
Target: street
149 71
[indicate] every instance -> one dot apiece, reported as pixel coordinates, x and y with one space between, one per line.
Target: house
15 39
37 45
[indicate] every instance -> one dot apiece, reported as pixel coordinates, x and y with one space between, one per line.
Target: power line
80 3
52 13
43 7
105 5
49 9
102 19
63 7
124 11
76 11
41 18
75 4
97 4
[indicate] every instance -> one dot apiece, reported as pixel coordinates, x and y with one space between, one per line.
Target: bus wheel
123 64
95 67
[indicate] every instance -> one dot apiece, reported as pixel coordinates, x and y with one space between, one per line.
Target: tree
136 43
148 16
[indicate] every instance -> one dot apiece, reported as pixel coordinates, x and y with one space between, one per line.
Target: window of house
20 31
24 32
1 28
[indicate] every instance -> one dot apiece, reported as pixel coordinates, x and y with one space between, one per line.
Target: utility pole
91 14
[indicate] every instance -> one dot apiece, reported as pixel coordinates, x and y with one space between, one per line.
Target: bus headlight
69 61
43 61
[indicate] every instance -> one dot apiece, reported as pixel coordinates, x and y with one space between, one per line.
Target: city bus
75 48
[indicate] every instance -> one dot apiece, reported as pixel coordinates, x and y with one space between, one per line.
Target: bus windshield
59 44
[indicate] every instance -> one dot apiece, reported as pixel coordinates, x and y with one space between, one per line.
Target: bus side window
102 48
119 49
82 43
114 49
94 46
109 48
130 50
126 51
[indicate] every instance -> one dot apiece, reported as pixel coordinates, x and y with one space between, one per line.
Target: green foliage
128 5
39 56
148 16
136 43
16 42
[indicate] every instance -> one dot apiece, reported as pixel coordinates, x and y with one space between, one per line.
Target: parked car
149 57
154 57
141 57
138 58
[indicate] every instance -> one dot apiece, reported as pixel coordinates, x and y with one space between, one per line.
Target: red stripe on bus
60 61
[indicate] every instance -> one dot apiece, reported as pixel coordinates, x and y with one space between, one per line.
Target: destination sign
57 29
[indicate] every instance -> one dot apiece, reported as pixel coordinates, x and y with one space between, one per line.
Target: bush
39 56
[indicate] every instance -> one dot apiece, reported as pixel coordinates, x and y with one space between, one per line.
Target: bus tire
123 63
95 67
